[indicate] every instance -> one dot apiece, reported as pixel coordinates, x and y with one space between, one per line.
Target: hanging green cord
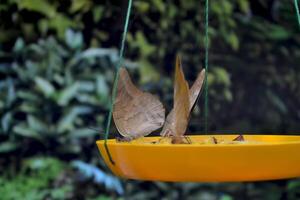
297 11
206 66
114 92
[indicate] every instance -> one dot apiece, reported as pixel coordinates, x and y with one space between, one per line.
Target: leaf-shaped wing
194 92
196 88
136 113
181 101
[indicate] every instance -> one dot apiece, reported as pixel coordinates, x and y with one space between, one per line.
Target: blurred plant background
57 63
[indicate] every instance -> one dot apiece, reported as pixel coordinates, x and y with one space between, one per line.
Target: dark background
57 62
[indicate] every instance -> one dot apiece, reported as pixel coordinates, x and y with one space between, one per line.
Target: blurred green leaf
67 94
84 133
244 5
24 131
143 44
36 124
293 185
277 102
226 197
74 39
6 121
101 197
78 5
277 32
61 23
233 41
221 76
27 96
141 6
67 121
228 95
19 45
102 89
7 147
41 6
44 86
98 12
148 72
11 94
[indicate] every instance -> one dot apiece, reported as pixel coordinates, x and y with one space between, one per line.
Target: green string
114 92
297 11
206 67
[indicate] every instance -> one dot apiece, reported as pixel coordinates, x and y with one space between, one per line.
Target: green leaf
24 131
228 95
244 5
277 102
142 43
43 26
83 133
74 39
86 86
233 40
67 94
89 99
6 147
226 197
78 5
100 52
221 76
158 4
102 89
70 148
61 23
11 93
293 185
36 124
68 120
27 96
141 6
148 72
19 45
102 197
277 32
6 121
44 86
41 6
98 12
28 107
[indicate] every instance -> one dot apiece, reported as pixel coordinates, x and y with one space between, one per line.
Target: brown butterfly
137 113
171 127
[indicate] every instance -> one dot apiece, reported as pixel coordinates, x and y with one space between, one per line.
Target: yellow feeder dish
260 157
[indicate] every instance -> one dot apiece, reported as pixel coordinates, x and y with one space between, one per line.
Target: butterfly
137 113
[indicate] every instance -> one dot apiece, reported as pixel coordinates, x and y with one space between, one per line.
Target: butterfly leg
124 139
188 140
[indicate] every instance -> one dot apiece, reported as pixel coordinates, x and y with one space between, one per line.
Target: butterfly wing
196 88
136 113
194 92
181 101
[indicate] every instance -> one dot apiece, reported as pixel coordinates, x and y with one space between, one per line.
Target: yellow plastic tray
265 157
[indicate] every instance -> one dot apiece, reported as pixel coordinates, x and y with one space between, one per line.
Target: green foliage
51 90
293 189
33 181
43 178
